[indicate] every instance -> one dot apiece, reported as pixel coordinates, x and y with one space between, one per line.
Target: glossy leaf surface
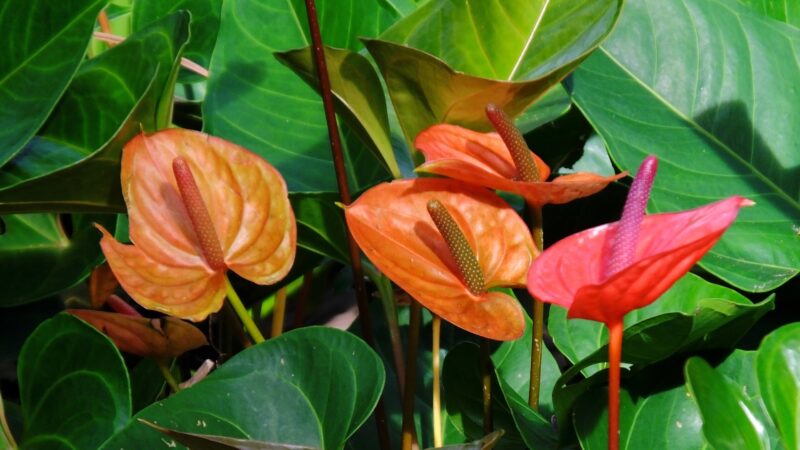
249 208
73 162
573 272
779 380
74 386
257 102
43 45
317 402
197 441
392 226
786 11
709 87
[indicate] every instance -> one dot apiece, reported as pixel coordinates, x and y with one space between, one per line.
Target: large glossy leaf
74 386
39 258
447 62
778 372
73 163
729 417
359 93
259 103
784 10
43 43
708 87
204 27
313 386
692 314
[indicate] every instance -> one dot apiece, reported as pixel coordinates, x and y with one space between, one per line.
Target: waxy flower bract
246 199
483 159
392 226
572 272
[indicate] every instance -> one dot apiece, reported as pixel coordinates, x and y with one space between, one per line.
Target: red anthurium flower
485 160
392 224
198 205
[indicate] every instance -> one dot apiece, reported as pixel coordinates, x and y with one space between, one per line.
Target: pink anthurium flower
603 273
395 225
198 206
485 160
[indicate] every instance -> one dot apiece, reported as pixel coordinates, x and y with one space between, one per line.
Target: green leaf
778 372
38 258
73 386
441 65
320 224
486 443
359 96
147 382
709 87
693 314
550 106
204 27
259 103
74 162
729 419
43 43
313 386
198 441
784 10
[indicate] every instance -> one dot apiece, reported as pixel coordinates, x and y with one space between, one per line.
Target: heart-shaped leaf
74 386
259 103
647 94
42 45
313 386
74 162
779 380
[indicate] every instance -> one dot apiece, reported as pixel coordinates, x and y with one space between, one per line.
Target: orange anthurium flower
485 160
392 225
198 205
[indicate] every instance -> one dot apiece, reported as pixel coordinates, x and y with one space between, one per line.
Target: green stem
436 368
171 381
279 313
241 311
537 336
411 376
386 294
486 385
5 428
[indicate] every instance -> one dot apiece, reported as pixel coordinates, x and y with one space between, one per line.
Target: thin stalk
486 385
105 25
6 430
614 361
344 196
241 311
170 379
537 336
437 396
411 375
386 293
279 313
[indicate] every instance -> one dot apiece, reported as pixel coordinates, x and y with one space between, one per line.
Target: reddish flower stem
614 361
344 196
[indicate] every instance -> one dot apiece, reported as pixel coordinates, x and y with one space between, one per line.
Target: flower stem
537 336
279 313
411 376
437 396
614 361
5 429
386 294
241 311
171 381
486 384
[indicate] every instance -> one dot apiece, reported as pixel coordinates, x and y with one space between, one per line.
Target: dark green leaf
39 258
43 43
197 441
320 224
259 103
147 382
487 443
729 420
778 372
73 164
73 386
313 386
710 88
359 96
551 105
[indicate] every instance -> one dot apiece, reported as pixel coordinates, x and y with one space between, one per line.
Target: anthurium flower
393 226
198 206
485 160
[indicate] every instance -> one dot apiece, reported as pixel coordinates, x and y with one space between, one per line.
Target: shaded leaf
486 443
649 90
778 376
197 441
320 224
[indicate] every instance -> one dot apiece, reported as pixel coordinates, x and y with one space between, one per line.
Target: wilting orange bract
483 159
392 226
166 337
248 203
572 273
